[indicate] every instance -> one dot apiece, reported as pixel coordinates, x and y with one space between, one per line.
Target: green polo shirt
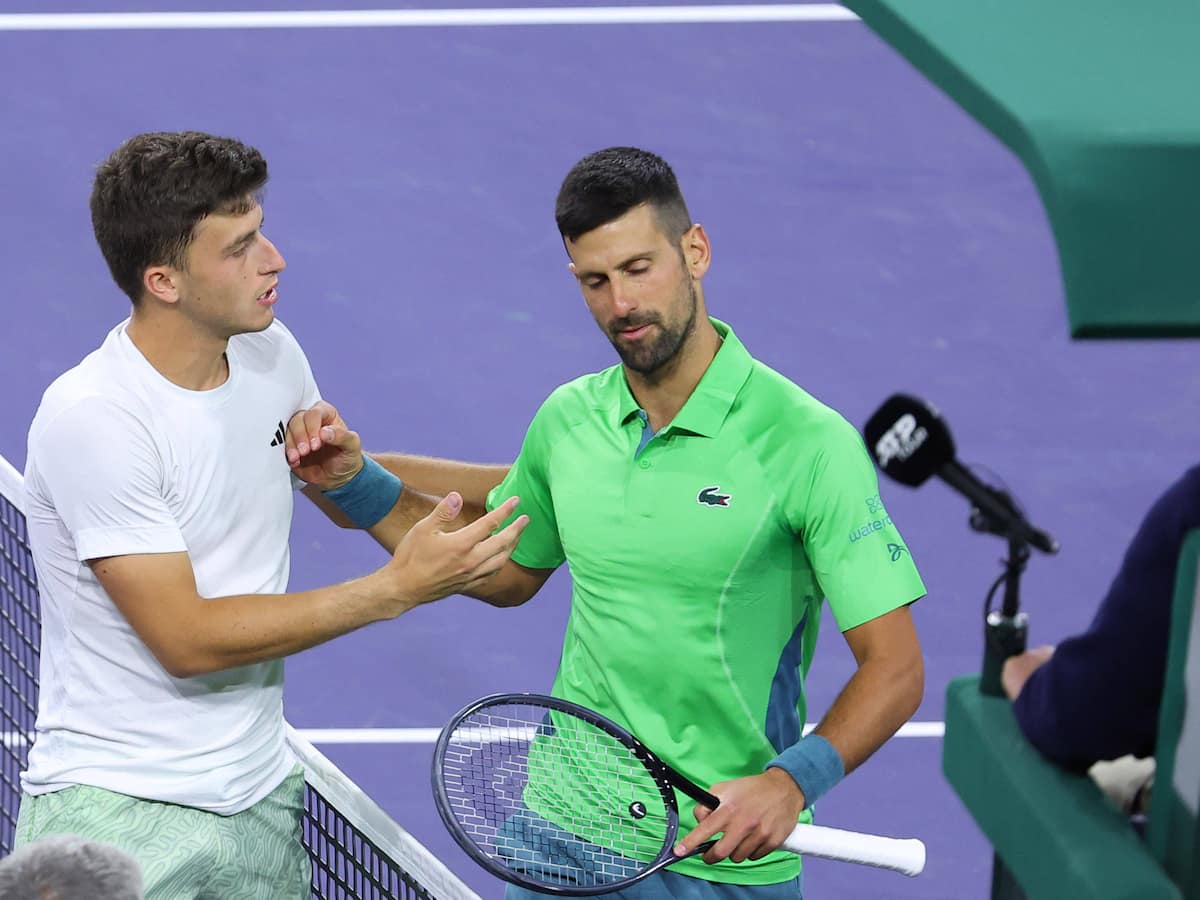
699 557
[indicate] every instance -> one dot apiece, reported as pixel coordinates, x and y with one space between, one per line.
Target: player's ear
697 252
160 283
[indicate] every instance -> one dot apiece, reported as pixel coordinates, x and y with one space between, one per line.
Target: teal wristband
368 496
814 765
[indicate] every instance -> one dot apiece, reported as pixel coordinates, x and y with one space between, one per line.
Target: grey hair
66 866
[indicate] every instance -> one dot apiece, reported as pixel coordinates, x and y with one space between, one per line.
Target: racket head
551 796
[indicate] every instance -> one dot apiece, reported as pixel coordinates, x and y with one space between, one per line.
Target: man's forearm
438 477
227 632
192 635
878 699
412 505
411 508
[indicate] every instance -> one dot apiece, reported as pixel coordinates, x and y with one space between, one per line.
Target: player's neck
663 392
181 353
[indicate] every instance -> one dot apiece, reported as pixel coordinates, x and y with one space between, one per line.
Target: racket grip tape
906 856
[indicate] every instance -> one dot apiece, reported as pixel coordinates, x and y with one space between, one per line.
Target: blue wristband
368 496
814 765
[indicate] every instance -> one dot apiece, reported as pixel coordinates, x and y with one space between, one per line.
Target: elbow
917 696
915 681
503 599
909 680
182 661
179 669
183 666
503 591
513 585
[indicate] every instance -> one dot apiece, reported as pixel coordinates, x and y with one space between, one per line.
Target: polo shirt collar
713 397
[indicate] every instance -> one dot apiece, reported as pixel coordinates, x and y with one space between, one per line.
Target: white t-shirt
122 461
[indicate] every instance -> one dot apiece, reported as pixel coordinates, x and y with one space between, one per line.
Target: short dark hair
149 195
605 185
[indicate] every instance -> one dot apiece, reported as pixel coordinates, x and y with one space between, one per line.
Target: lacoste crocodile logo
710 497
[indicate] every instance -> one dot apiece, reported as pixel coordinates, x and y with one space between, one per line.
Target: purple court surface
868 237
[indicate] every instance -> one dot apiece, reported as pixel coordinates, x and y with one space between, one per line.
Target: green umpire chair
1055 835
1174 832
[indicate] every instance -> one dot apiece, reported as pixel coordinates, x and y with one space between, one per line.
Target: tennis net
357 850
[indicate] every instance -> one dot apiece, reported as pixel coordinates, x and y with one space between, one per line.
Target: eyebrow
624 264
245 238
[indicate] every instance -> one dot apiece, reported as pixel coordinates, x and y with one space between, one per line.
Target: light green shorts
186 853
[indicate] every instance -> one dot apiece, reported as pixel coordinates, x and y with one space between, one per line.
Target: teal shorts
186 853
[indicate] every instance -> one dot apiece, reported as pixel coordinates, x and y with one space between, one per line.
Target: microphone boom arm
996 507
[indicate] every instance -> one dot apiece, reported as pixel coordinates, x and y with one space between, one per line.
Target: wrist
342 480
785 784
389 593
813 764
368 496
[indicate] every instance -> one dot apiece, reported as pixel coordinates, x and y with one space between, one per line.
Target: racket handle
905 856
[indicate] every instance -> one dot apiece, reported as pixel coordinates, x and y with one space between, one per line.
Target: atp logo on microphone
900 441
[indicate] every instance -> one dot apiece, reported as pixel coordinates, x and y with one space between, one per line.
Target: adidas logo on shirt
280 437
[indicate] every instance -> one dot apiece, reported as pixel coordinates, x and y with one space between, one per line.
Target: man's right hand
435 559
321 450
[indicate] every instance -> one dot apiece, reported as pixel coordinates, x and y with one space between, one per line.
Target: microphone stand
1004 634
1004 630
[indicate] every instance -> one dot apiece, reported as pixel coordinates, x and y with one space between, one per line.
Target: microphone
910 442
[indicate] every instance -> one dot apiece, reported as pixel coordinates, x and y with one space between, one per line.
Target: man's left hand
320 449
757 813
1017 669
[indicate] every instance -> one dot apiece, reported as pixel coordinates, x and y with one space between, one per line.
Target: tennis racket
553 797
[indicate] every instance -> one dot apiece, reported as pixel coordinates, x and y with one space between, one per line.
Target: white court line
400 18
430 735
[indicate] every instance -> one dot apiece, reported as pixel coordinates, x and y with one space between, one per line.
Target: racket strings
553 797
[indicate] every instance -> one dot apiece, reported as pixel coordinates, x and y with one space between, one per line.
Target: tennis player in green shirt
706 507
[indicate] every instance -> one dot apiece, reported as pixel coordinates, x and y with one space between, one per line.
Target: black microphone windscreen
908 439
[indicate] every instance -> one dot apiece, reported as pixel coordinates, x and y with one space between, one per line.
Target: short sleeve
309 392
862 564
540 547
99 467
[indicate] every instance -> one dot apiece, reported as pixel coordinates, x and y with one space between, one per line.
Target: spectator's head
67 867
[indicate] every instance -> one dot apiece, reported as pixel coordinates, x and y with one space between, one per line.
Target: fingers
305 426
304 429
753 819
506 538
737 853
478 531
310 429
710 824
486 571
738 843
739 847
496 550
446 511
